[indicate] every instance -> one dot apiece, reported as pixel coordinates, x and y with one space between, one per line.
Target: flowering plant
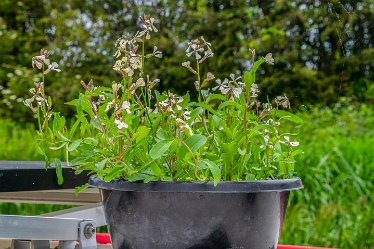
130 131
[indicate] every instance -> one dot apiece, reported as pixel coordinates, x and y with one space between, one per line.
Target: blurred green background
324 61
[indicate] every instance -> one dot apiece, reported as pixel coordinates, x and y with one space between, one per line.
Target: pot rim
281 185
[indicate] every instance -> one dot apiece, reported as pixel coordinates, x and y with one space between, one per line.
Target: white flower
39 100
209 76
283 101
269 59
140 82
156 53
28 102
120 124
129 71
109 105
186 114
39 60
207 54
197 85
266 138
52 67
126 106
102 97
117 54
117 66
182 125
254 90
136 62
187 64
294 144
236 91
198 47
221 85
116 87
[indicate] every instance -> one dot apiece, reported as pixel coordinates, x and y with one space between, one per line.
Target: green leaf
230 151
216 96
160 148
95 123
82 104
207 107
62 137
58 122
231 103
250 76
248 80
215 170
91 140
81 188
257 65
156 170
195 112
58 147
114 173
254 130
296 152
286 115
73 128
74 145
58 166
141 133
194 142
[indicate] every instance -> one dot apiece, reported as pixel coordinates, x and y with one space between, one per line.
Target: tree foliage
323 49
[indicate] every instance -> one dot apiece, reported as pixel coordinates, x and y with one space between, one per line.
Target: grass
17 143
337 169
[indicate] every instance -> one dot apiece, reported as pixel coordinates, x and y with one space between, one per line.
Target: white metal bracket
33 232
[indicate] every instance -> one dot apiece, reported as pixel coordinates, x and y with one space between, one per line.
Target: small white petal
294 144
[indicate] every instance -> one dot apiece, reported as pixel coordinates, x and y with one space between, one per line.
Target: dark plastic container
195 215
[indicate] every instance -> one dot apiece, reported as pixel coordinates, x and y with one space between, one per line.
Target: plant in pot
175 173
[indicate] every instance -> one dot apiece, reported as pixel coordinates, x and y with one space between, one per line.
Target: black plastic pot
195 215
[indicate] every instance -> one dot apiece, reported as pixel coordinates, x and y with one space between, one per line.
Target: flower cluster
36 97
231 87
128 49
172 106
41 62
200 48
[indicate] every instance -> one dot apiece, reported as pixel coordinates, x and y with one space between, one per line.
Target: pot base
195 215
165 220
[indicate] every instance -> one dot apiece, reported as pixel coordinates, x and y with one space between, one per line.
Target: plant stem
199 97
193 157
67 154
39 121
246 102
120 145
230 171
198 79
93 107
42 87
